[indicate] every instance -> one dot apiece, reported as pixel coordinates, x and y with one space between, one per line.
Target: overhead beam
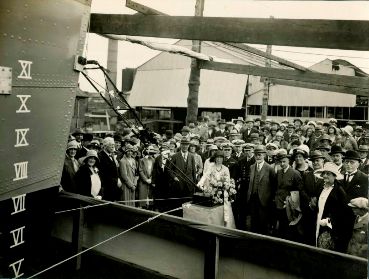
268 56
335 34
319 78
324 87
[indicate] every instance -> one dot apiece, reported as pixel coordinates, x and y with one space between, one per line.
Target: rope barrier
117 203
106 240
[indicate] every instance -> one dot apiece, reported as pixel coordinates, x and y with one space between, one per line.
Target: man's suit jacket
109 177
219 133
160 179
287 182
266 186
186 173
246 133
357 187
364 166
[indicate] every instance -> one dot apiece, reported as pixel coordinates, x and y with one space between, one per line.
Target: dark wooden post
194 82
211 258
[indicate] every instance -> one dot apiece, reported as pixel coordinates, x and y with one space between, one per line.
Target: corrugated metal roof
169 88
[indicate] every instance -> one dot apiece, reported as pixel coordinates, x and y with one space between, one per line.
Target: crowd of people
305 181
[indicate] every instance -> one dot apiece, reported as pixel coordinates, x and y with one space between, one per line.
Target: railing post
211 258
77 236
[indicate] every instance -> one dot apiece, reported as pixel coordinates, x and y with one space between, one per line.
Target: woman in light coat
128 175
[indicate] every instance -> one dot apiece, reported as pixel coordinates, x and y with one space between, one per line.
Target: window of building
331 112
164 114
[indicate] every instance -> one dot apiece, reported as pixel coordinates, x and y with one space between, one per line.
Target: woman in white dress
216 173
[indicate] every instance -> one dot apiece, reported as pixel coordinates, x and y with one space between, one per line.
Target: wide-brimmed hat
220 139
315 155
348 129
271 144
248 146
259 149
128 147
186 129
226 145
249 119
89 154
281 154
359 202
213 147
325 137
78 131
73 144
297 120
363 148
302 149
330 167
332 120
352 155
219 153
230 123
336 149
240 118
312 123
238 142
94 143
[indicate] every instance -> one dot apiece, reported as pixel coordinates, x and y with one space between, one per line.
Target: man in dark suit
183 174
160 178
355 181
260 193
363 153
222 132
312 186
248 129
242 184
288 180
109 170
228 160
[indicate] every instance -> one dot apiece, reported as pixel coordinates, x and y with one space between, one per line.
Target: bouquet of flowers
220 189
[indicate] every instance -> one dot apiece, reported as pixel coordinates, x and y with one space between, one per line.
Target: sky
133 55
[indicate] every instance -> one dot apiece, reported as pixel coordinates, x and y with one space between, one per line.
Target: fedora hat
185 140
89 154
281 154
259 149
325 137
320 147
238 142
352 155
222 121
336 149
220 139
248 146
330 167
249 119
240 118
316 154
226 145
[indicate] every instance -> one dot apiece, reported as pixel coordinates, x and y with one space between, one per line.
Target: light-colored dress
213 173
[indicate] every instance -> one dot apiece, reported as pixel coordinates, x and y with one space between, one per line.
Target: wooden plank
268 56
324 87
211 262
336 34
319 78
